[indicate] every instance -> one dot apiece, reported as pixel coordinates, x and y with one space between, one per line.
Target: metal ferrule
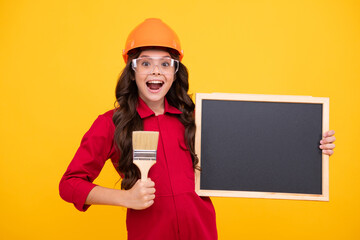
144 155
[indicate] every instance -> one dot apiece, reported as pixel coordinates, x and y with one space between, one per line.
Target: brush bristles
145 140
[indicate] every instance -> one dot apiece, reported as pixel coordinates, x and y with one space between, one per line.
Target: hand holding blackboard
327 143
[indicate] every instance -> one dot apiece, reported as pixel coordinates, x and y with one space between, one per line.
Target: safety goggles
146 65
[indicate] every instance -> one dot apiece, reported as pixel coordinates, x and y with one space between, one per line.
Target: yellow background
59 62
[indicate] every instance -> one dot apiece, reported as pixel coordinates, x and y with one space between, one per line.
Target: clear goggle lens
146 65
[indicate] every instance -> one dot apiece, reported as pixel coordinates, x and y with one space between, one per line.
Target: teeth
155 82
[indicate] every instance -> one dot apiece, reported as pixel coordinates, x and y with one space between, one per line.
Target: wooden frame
262 98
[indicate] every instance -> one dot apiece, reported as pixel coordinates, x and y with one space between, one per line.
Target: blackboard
261 146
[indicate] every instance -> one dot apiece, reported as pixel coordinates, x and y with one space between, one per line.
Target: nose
156 70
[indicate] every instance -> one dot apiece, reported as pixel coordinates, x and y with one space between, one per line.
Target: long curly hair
127 120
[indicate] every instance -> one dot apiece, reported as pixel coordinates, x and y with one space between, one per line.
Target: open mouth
154 85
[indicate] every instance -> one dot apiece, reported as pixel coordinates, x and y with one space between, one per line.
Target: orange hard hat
152 33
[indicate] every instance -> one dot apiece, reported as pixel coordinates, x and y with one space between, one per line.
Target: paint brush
144 150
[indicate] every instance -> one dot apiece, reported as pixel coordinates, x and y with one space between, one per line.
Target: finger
329 133
328 152
328 140
142 183
151 190
149 183
137 183
149 203
327 146
148 197
148 191
151 197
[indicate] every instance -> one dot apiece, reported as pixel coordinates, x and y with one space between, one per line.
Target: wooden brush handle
144 166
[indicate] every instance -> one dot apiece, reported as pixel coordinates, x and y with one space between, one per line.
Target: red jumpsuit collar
144 111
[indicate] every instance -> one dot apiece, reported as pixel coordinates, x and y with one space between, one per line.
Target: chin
152 97
157 98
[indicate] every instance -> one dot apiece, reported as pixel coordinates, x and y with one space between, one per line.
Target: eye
145 63
166 64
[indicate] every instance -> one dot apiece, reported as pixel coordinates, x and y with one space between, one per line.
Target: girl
151 95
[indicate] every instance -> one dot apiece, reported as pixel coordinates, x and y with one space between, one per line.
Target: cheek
139 80
171 82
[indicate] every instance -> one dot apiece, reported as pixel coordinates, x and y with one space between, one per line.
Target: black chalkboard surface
263 146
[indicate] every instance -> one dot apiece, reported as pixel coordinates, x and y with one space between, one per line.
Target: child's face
153 87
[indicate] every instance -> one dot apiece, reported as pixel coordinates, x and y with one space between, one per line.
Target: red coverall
178 212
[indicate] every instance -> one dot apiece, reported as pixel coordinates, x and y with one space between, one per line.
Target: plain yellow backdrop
59 62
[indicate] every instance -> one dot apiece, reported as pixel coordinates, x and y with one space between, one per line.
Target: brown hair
127 120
